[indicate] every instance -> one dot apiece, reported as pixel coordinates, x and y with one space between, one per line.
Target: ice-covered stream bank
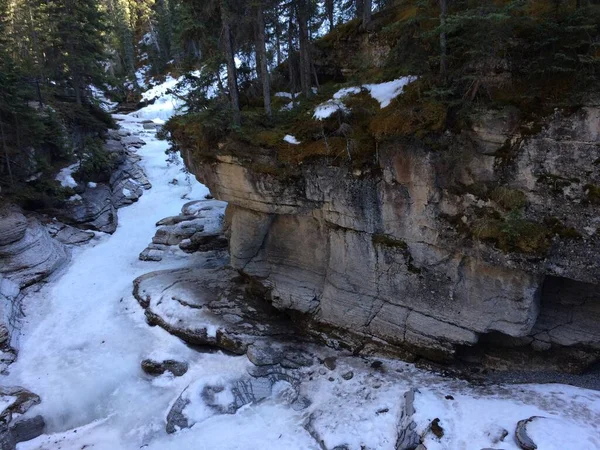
85 336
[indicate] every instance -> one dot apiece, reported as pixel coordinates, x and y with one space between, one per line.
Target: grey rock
176 419
384 255
13 225
18 401
348 375
174 234
95 210
174 220
523 439
152 254
408 438
31 257
27 428
243 391
133 141
204 242
330 362
209 307
152 367
69 235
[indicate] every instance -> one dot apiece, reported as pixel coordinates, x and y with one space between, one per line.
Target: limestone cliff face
430 251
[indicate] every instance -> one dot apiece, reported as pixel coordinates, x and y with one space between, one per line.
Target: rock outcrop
199 228
95 205
430 252
28 254
15 425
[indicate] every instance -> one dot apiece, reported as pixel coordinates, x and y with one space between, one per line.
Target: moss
408 115
592 194
555 182
559 229
385 240
509 199
514 233
388 241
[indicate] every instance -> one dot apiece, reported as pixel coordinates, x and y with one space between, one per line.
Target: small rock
151 254
523 439
177 368
348 375
27 429
449 397
330 362
331 379
376 365
436 428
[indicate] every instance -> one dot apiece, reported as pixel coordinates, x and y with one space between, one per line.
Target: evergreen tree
77 39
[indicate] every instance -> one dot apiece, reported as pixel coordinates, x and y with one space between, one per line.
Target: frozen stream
85 335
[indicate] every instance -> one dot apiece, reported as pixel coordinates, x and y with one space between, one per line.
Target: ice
65 176
291 139
85 336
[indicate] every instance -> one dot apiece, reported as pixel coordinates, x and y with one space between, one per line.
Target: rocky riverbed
148 338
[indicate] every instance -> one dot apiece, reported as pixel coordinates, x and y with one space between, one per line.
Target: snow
126 192
104 102
345 92
384 93
92 185
167 98
284 95
65 176
291 139
327 109
84 336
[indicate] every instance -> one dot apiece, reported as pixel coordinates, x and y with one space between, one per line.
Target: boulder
69 235
29 254
211 307
152 367
94 209
227 398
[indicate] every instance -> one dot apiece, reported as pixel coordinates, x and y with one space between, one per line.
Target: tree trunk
261 53
305 60
6 156
277 37
291 54
234 95
443 40
367 12
360 8
329 9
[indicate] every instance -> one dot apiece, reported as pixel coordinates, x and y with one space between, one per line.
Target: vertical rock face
404 251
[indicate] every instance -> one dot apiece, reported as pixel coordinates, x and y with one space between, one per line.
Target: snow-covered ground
85 335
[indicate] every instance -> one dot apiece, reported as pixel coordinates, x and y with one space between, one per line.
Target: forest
58 56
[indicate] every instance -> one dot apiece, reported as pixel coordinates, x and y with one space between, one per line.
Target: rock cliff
486 249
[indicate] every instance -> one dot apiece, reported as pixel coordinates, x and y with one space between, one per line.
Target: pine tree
77 36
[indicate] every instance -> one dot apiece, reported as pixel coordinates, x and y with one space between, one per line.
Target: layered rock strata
493 239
